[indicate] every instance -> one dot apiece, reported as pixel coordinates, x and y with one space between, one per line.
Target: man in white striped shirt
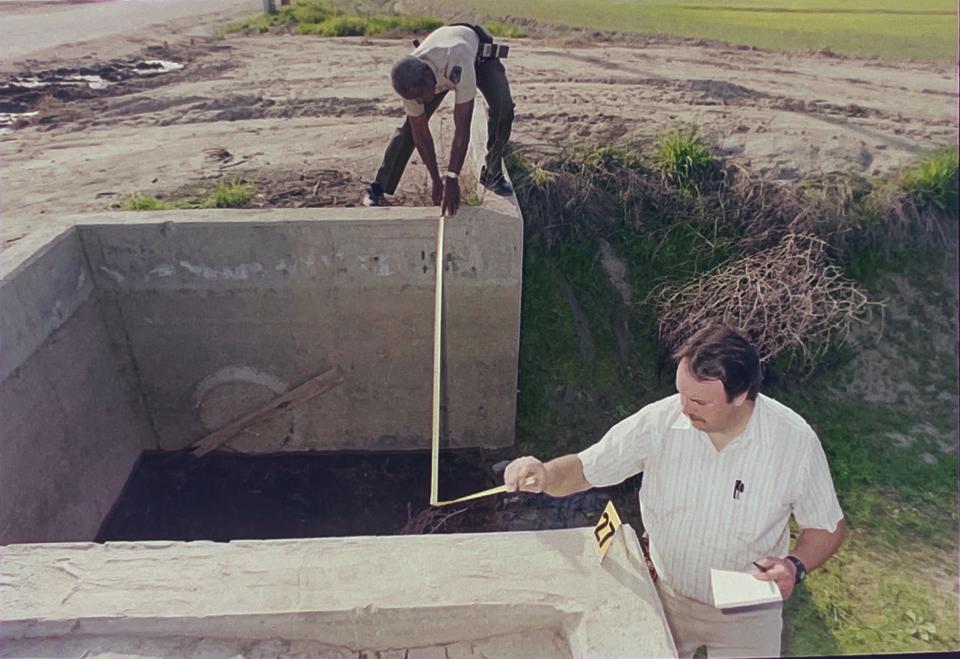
723 467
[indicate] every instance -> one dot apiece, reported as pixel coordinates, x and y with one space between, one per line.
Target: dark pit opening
223 496
232 496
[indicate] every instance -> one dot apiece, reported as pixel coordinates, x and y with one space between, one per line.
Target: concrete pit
130 332
125 333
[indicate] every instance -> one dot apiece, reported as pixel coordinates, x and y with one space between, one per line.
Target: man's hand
437 193
451 196
778 570
517 473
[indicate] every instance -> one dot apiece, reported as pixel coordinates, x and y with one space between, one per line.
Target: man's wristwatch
801 568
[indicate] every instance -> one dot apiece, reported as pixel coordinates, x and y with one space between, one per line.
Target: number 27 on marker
605 529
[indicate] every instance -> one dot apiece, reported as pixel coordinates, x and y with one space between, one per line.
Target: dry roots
783 298
428 520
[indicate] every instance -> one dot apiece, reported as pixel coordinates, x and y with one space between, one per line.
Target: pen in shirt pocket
737 489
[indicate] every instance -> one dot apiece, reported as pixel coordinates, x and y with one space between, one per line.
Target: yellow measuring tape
435 433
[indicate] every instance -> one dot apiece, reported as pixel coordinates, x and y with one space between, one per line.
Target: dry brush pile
786 298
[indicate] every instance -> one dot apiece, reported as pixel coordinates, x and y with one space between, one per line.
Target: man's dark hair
717 352
410 75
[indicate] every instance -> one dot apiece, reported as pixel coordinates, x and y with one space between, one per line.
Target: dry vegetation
787 298
766 257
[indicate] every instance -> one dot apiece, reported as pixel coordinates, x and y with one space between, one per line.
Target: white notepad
732 589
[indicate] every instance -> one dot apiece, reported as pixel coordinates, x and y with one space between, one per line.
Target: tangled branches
784 298
846 211
565 199
583 195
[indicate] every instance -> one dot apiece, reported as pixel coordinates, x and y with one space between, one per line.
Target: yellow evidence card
607 526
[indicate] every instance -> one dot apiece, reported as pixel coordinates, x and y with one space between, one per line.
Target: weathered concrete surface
223 310
343 595
529 643
70 430
43 280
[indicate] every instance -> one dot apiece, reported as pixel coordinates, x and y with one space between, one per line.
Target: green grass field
922 29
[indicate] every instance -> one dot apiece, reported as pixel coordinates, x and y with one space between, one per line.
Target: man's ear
741 399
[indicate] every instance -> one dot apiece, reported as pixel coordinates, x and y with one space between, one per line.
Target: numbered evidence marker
606 528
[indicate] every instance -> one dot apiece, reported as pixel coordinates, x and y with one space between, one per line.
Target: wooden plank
279 405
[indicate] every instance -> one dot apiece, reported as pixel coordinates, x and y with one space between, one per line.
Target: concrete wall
70 429
125 331
136 330
542 594
223 310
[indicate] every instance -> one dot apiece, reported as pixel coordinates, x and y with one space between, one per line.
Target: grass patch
865 601
225 194
572 383
901 498
337 26
932 184
228 195
354 26
326 19
923 29
505 30
683 158
140 202
257 23
612 157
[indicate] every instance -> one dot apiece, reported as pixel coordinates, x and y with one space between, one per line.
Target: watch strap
801 568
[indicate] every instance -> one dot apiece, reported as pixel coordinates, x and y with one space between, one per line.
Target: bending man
723 467
462 59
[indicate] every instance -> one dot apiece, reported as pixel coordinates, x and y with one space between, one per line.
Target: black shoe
498 184
373 196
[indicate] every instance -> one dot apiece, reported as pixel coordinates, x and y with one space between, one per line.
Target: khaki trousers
492 83
746 632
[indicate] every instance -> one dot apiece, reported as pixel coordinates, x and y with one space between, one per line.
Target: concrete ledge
350 594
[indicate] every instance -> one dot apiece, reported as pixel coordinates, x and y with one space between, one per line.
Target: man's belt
490 51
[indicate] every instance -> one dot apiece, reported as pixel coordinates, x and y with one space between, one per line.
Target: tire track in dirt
160 111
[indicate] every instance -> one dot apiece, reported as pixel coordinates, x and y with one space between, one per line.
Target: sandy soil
307 118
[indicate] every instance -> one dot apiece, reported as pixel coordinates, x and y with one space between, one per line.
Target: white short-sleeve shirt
444 49
687 496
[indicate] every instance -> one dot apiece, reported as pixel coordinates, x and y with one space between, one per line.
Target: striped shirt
686 498
447 48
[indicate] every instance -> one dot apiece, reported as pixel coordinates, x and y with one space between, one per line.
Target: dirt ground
306 119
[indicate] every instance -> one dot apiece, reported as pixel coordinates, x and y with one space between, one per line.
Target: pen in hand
760 567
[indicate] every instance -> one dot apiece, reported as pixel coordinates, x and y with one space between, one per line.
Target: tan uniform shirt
686 497
446 48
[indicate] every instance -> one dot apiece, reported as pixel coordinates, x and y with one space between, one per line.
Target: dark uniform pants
492 83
